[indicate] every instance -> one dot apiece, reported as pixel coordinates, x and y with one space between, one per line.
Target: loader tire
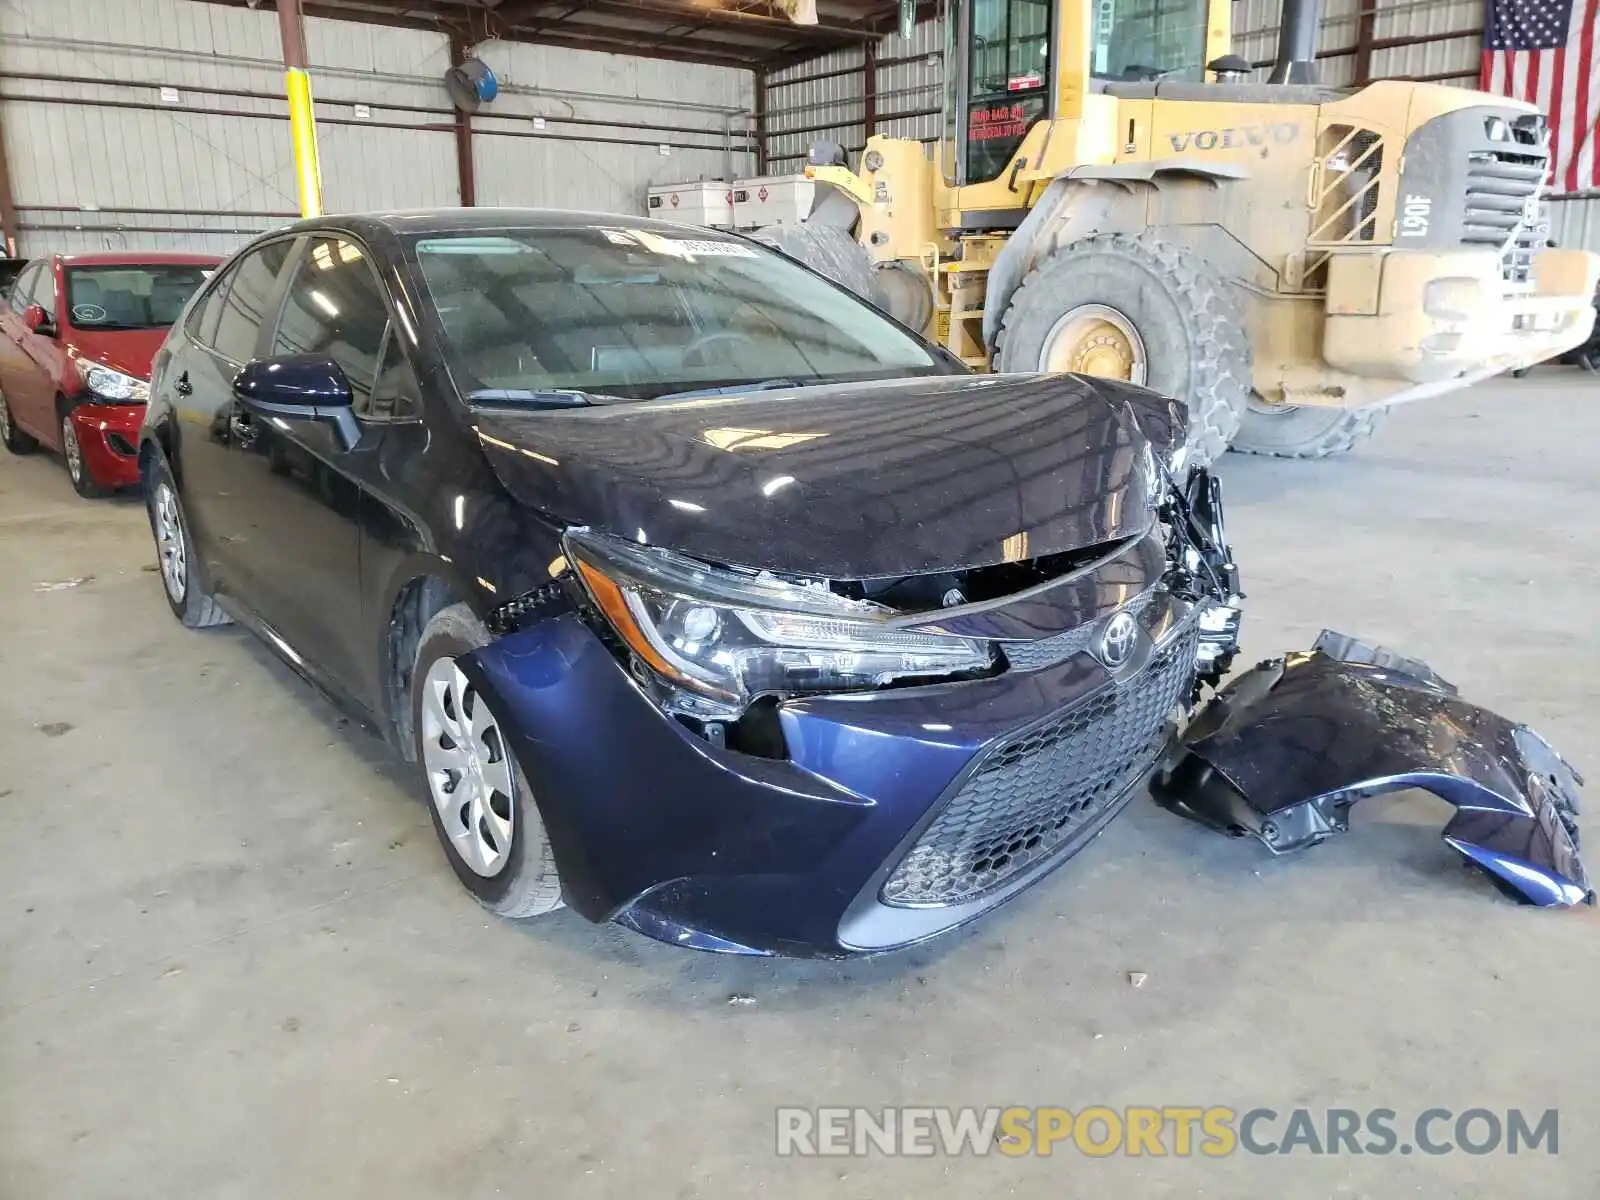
1291 431
829 251
1188 322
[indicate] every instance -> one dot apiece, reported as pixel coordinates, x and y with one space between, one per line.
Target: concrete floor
233 962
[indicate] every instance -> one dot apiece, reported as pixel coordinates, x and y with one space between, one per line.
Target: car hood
844 481
127 350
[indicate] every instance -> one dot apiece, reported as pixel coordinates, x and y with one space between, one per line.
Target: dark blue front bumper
654 827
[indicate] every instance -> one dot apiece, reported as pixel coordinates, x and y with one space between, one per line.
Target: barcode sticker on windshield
685 247
726 249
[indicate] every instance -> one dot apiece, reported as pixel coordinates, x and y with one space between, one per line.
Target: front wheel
72 453
1140 309
482 808
1292 431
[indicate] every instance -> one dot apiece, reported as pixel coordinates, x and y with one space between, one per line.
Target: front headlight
722 638
109 384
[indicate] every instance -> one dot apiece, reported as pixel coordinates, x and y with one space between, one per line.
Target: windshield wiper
547 398
758 385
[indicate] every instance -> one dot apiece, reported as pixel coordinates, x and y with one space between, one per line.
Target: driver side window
335 307
44 289
18 299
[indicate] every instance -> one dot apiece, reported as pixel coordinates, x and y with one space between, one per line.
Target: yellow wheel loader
1110 196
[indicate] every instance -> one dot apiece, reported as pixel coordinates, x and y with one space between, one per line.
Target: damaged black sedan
705 598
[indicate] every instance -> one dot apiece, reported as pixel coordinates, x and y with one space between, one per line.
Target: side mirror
307 387
37 319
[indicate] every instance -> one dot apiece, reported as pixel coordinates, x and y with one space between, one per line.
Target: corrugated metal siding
918 84
802 110
1256 23
1575 224
158 174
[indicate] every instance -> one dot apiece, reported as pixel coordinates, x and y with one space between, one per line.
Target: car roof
466 220
134 258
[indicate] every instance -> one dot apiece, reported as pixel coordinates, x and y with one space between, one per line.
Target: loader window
1144 39
1009 72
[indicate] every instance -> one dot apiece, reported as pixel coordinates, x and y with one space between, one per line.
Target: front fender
1284 751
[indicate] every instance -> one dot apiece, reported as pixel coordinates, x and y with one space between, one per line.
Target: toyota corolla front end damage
802 710
816 710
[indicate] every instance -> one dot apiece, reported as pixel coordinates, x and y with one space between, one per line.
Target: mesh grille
1032 794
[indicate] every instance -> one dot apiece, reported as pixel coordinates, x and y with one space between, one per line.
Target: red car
77 333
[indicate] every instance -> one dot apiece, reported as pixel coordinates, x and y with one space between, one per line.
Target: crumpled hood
845 481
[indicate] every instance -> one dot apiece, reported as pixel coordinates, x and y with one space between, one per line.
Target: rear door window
202 323
251 289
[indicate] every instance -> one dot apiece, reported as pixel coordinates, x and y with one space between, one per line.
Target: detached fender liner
1286 748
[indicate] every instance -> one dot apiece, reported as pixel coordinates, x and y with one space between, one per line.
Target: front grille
1033 794
1504 206
1057 648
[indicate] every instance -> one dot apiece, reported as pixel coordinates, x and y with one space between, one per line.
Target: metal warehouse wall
1437 40
826 97
100 158
606 120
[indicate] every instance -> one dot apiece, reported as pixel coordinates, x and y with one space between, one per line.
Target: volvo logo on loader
1279 133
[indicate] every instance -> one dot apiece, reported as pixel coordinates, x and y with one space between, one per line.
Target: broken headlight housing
718 638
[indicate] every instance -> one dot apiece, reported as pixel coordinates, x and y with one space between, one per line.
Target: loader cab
1011 55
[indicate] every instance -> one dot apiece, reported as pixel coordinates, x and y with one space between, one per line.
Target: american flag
1544 51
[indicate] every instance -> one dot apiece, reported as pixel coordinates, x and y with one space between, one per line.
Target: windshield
1141 39
639 314
131 297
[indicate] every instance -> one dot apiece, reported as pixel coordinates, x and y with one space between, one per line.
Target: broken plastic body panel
1284 751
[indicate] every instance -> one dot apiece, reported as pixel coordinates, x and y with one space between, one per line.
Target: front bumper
1286 748
1440 319
959 795
108 435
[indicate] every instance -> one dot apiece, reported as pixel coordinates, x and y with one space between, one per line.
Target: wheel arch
1078 203
420 586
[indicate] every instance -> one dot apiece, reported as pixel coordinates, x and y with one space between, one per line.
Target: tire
827 250
1290 431
11 434
176 562
1188 318
83 481
511 876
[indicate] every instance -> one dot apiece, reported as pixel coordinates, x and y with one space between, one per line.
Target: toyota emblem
1117 642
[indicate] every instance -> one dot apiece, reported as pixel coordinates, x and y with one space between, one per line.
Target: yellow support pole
302 122
303 131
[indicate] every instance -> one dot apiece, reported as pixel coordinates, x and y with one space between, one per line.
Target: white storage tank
707 202
772 200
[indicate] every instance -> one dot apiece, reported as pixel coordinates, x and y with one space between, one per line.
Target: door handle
183 387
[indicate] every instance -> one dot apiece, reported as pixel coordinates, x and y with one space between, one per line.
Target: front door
29 358
296 485
230 325
1008 82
